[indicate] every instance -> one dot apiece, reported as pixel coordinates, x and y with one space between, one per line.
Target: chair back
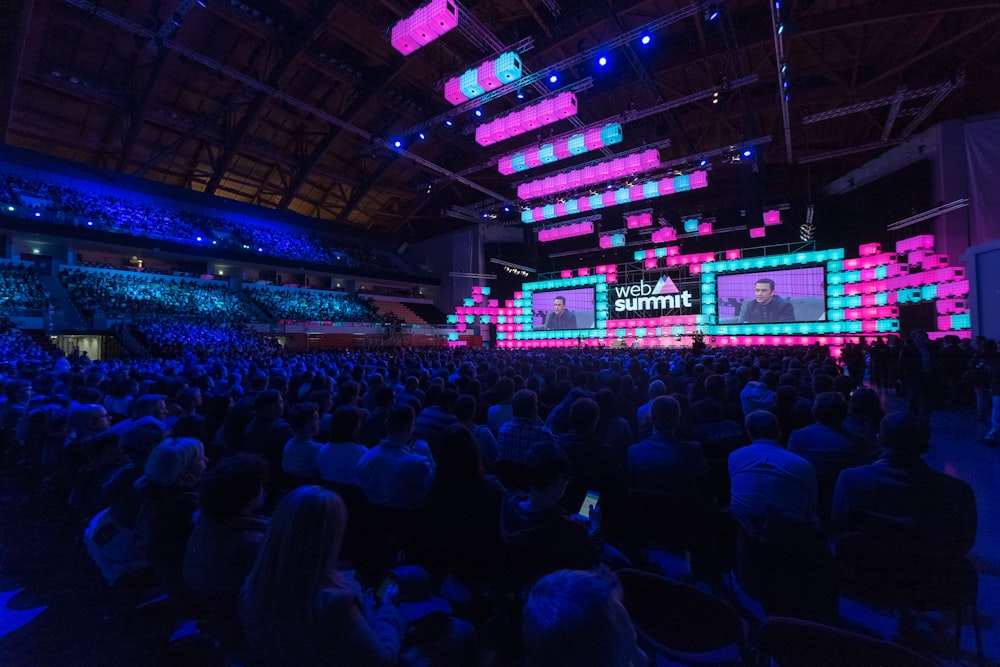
793 642
680 621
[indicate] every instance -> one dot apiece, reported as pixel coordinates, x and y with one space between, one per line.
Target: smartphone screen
589 500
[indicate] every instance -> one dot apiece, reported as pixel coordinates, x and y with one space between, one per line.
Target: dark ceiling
291 104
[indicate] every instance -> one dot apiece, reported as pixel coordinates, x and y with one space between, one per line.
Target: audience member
337 461
397 473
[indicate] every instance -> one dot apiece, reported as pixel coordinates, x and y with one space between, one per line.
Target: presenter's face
762 292
558 305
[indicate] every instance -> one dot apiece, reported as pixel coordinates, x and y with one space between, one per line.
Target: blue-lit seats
303 305
21 291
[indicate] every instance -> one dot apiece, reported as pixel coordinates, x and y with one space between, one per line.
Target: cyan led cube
928 292
596 201
547 153
576 144
682 183
572 206
518 163
508 67
691 225
549 211
469 84
622 196
650 190
611 133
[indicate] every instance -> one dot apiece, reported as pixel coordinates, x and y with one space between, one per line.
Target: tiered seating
121 294
400 312
15 345
20 290
168 338
304 305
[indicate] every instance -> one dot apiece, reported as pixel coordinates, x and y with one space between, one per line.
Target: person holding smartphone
298 609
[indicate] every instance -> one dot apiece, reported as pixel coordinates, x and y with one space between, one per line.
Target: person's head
559 305
17 391
763 290
830 408
269 403
298 556
465 408
715 386
762 425
583 415
150 405
234 486
399 423
905 433
345 422
188 399
87 419
304 419
524 404
547 470
457 459
657 388
138 441
385 396
865 404
176 461
575 618
665 413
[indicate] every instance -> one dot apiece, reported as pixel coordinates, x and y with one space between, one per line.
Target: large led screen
563 309
772 296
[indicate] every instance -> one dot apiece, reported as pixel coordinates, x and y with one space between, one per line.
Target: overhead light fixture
554 78
602 61
646 39
479 113
520 94
421 136
448 122
397 143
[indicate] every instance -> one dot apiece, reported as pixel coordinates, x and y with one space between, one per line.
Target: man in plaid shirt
525 430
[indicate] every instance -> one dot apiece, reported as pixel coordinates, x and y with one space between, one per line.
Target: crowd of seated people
122 295
373 469
71 206
301 305
21 290
177 339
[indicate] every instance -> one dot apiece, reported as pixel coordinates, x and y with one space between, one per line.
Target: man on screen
560 318
766 307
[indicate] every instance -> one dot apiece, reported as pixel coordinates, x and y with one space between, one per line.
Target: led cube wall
596 173
490 75
561 147
531 117
612 240
772 217
424 26
566 231
639 220
664 186
664 235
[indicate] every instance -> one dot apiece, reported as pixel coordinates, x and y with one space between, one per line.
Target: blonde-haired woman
295 606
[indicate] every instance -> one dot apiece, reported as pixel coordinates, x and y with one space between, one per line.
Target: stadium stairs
71 318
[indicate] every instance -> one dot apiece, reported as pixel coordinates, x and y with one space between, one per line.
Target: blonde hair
172 458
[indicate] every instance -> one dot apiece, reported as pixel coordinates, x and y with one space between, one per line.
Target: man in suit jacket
766 306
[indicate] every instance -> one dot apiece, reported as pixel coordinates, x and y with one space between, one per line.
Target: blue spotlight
602 61
713 14
397 143
506 209
520 94
703 163
421 136
747 152
646 39
781 28
554 78
479 113
448 122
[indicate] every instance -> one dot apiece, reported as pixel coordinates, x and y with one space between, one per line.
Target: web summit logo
643 296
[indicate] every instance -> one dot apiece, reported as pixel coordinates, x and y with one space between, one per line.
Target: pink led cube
561 150
592 139
506 165
422 26
529 118
486 74
604 242
583 271
617 167
567 273
401 39
699 179
560 209
443 15
666 186
635 193
650 159
564 105
559 182
673 250
583 204
546 112
869 249
757 232
650 263
532 160
609 198
772 217
704 228
735 253
453 91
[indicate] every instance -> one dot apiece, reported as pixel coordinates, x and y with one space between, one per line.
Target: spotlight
397 143
747 152
421 136
479 113
781 28
703 163
784 67
506 209
448 122
520 94
554 78
713 14
602 61
646 39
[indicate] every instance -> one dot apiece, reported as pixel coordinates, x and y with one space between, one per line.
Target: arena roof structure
298 105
